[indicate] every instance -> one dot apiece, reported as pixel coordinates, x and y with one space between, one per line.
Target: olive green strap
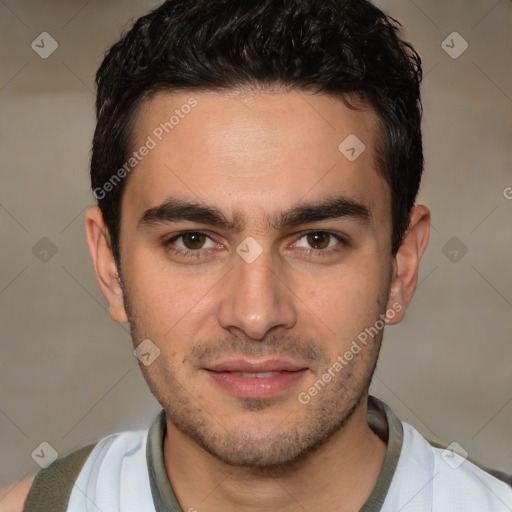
52 486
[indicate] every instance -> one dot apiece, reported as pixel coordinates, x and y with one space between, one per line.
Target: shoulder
53 486
116 471
13 496
470 487
439 479
113 450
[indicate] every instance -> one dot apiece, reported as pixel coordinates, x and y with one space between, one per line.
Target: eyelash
183 252
315 252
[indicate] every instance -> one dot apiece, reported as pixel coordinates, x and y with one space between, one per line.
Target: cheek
345 289
346 301
167 303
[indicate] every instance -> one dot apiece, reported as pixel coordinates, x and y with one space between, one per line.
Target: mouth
256 379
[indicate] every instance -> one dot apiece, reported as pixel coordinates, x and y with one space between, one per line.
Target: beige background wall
68 375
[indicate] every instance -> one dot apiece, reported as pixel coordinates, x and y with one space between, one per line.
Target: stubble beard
286 446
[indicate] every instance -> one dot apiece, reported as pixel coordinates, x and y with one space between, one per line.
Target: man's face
251 289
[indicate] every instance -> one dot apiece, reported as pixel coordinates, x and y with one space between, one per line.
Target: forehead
253 152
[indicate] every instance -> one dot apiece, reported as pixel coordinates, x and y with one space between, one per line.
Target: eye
193 240
189 243
320 241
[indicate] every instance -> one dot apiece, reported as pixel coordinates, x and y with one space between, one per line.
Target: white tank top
115 478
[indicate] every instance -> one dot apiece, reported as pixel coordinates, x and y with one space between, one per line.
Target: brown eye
321 243
193 240
319 239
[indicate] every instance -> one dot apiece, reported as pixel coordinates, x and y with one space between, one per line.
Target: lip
224 375
255 366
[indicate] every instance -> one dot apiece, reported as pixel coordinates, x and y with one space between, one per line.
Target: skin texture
253 155
12 497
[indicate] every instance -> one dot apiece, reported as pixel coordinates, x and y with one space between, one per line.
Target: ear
98 241
406 263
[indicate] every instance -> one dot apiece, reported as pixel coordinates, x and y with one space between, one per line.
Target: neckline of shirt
381 419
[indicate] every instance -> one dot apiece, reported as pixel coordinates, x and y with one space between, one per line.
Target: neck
338 476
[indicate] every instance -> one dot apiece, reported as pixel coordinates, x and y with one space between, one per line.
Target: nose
255 298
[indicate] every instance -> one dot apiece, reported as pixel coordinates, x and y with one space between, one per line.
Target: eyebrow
174 210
